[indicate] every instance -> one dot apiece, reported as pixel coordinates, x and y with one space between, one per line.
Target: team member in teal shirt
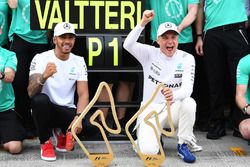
13 136
243 95
224 43
25 43
4 8
181 12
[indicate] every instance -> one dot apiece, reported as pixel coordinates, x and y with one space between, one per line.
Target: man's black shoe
216 133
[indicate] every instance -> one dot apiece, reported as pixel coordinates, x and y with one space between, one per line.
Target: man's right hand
199 46
147 16
168 94
50 70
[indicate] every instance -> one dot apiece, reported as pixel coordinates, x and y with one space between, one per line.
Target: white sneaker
192 144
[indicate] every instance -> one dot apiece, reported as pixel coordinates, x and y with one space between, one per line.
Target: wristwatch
198 35
3 75
244 109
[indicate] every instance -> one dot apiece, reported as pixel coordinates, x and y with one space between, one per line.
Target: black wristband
78 114
198 35
3 75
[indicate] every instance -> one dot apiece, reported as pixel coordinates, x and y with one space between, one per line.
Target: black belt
235 26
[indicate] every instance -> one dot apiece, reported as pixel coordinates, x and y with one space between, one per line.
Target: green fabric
7 100
3 22
223 12
20 25
243 72
170 11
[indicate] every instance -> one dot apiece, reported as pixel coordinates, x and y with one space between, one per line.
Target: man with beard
54 77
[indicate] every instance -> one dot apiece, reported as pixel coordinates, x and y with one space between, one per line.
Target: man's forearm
189 18
8 75
200 18
241 101
36 82
12 3
82 103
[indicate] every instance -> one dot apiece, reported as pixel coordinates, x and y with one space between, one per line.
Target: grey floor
216 153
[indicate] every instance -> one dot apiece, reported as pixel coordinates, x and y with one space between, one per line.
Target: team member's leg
25 52
215 66
146 138
13 147
238 47
11 138
245 128
62 119
124 94
42 114
20 83
104 97
186 120
185 134
186 110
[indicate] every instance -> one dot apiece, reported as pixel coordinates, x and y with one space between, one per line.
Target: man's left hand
78 128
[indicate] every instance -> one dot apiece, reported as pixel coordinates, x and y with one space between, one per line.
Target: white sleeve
187 80
83 75
140 51
36 65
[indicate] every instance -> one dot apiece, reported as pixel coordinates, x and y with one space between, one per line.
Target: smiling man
175 69
54 77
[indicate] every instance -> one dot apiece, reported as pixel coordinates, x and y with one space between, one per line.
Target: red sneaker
47 151
60 139
69 141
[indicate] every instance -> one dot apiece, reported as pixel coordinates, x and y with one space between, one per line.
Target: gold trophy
158 159
99 159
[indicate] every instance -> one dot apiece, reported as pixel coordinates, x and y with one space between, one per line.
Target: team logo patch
66 26
177 75
167 25
33 66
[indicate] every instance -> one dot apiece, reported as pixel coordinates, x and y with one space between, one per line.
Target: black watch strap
3 75
78 114
244 109
198 35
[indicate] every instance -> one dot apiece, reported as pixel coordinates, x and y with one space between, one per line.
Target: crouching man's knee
189 103
245 128
13 147
149 149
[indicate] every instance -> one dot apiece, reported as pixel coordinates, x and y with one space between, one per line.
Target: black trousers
200 91
48 115
223 48
25 52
